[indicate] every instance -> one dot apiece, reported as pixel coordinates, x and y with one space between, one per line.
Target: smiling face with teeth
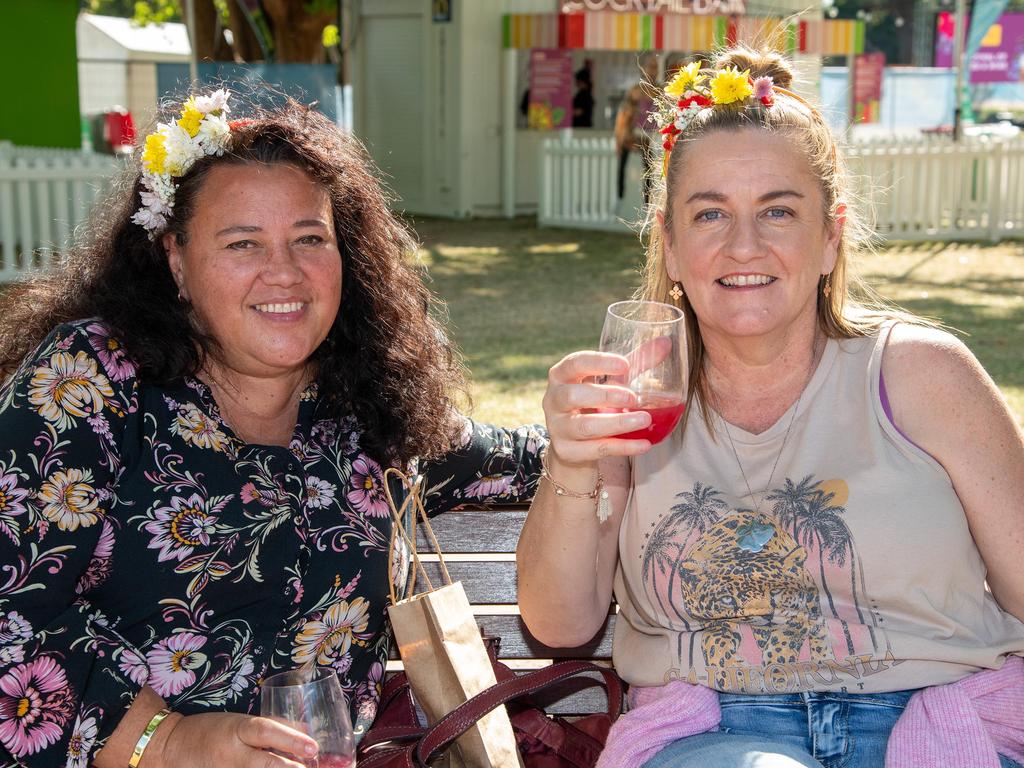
749 239
260 266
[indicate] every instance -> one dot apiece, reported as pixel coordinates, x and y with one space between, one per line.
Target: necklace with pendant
754 535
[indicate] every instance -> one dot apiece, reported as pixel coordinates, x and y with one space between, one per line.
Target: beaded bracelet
599 494
143 742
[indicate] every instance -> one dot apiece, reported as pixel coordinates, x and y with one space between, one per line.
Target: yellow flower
686 79
190 118
730 85
69 500
155 154
68 387
330 638
195 428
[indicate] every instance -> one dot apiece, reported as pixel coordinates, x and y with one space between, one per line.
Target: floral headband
691 91
173 148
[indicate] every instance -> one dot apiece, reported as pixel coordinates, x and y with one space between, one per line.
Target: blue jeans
800 730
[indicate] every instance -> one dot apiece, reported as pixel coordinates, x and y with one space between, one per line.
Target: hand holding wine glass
310 699
652 338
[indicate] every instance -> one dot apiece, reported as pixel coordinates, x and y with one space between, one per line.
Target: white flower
215 102
154 202
148 220
213 134
182 149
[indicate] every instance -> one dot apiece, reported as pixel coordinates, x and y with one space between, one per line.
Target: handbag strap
459 720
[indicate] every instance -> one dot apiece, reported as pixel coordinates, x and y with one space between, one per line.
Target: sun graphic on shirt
839 488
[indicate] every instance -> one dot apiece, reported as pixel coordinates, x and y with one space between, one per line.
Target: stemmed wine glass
310 700
652 336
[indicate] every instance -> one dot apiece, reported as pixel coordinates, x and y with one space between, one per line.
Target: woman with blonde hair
801 567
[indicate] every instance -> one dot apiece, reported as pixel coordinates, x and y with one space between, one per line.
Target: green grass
519 298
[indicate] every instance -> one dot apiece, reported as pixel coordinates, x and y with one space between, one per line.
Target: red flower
697 98
767 100
241 123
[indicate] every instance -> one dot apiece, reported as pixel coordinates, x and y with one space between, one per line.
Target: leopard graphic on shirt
745 568
741 580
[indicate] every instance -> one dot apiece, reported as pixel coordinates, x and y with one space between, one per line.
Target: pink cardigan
961 725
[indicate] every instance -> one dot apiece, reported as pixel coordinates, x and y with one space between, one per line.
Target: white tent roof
139 42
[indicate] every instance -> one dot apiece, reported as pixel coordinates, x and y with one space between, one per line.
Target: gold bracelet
143 742
599 494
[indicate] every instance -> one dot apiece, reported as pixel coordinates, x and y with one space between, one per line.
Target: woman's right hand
231 740
583 417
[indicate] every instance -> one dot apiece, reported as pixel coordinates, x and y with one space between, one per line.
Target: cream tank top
855 571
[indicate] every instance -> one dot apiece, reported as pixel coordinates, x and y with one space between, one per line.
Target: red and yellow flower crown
690 91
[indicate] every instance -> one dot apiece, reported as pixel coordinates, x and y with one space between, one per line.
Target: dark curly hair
385 361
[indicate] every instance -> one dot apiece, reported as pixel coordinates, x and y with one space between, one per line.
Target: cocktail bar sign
682 7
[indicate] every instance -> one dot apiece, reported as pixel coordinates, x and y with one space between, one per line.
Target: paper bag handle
398 515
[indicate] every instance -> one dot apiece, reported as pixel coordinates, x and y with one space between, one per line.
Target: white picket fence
922 188
44 194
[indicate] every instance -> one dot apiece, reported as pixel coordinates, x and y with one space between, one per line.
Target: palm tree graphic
809 514
699 509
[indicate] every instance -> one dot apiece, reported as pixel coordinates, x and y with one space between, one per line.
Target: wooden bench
479 547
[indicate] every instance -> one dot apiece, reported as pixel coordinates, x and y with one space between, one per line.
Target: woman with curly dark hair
199 408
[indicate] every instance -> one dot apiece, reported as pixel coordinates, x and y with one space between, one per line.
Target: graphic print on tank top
751 593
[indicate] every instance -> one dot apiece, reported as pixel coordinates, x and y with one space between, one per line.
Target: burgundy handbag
396 739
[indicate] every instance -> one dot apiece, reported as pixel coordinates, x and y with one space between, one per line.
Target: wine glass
310 700
652 336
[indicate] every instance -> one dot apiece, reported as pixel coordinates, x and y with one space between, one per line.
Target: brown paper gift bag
441 649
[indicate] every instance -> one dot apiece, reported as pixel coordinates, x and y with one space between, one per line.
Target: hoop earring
677 291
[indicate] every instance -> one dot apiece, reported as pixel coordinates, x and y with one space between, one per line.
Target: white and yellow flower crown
173 148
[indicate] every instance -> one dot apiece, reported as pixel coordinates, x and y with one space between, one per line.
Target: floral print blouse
142 543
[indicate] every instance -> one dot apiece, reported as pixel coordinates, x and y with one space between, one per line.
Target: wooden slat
484 582
518 643
496 530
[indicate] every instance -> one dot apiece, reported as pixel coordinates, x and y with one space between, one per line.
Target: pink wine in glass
665 410
334 761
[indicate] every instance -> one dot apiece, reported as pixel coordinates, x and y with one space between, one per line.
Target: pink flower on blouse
99 567
134 666
113 356
490 485
172 663
35 704
12 504
367 494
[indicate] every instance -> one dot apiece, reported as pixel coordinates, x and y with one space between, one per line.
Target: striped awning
647 32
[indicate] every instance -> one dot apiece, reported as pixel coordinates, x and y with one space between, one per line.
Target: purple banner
551 83
1000 59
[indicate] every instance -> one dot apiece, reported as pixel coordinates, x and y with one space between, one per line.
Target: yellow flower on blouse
69 500
327 639
67 388
196 428
730 85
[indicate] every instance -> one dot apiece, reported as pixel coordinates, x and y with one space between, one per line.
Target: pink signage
1000 59
551 83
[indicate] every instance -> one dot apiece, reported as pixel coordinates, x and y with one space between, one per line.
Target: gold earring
827 290
677 292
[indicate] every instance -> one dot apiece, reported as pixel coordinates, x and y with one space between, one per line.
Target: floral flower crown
691 91
173 148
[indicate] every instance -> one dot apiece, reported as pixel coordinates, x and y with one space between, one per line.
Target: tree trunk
246 45
207 38
297 31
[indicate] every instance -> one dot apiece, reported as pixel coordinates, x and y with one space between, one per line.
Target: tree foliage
288 30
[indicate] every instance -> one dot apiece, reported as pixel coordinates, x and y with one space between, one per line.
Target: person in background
583 100
633 125
822 565
199 409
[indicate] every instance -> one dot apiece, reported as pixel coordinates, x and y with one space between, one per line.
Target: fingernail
310 749
637 420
